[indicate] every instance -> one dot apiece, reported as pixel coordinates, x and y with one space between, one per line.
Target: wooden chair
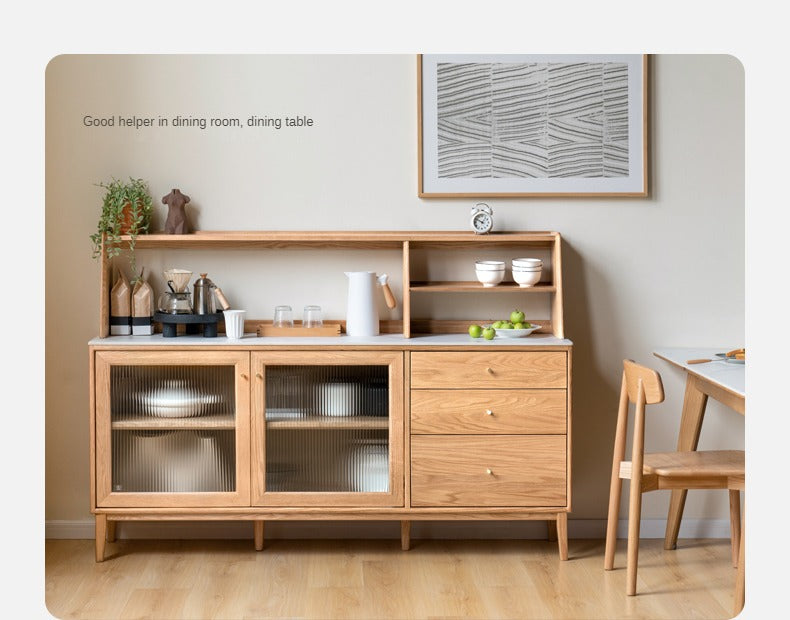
716 469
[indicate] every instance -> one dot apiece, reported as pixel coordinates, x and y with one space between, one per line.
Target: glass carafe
175 303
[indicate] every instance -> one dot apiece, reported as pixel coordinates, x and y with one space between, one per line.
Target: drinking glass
312 317
283 316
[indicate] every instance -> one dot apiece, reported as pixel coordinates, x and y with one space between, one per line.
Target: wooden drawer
526 470
489 412
489 369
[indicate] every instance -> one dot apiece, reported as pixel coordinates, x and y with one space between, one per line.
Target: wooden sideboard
423 424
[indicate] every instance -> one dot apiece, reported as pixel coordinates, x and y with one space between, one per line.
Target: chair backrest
633 373
641 386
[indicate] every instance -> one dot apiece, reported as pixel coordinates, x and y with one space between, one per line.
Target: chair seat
705 463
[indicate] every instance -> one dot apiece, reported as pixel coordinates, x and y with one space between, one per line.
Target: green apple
506 325
517 316
489 333
475 331
497 324
519 326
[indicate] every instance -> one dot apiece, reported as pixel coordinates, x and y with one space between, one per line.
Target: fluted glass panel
171 391
173 429
173 461
327 429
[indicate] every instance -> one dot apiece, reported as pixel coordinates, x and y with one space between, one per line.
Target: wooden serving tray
327 330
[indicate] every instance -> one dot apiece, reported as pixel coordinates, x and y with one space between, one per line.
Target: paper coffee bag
142 309
121 307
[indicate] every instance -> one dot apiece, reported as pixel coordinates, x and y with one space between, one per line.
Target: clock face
482 223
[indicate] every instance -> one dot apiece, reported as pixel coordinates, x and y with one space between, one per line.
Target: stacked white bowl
490 272
526 271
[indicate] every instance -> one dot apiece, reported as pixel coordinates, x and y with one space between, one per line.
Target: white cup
234 323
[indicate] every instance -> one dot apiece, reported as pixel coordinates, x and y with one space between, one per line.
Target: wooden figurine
176 223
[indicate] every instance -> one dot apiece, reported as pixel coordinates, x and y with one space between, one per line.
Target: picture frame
526 125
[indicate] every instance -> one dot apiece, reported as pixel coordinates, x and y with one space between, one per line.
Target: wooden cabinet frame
102 458
394 361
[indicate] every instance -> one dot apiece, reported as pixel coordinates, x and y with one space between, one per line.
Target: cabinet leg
551 531
562 534
258 532
405 535
111 525
101 536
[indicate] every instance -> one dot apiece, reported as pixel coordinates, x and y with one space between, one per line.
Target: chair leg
611 524
735 524
634 517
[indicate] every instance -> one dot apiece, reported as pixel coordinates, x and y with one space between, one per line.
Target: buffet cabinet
400 427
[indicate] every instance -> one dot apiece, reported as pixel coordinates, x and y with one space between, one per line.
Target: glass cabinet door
328 428
172 428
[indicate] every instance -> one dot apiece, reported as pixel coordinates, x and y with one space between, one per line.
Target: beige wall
639 273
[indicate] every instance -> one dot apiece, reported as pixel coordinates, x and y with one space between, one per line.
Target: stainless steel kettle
203 300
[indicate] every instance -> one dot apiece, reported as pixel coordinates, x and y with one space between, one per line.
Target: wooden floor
375 579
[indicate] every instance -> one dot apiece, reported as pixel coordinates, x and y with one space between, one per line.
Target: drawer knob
489 412
490 370
489 472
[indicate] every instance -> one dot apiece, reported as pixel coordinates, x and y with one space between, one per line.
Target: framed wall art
532 125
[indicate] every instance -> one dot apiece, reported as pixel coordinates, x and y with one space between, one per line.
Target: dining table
709 374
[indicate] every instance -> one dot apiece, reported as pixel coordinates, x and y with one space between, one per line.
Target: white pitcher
362 314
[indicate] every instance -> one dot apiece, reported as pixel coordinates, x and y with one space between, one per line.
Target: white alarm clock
482 220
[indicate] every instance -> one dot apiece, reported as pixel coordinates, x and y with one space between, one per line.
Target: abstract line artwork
523 126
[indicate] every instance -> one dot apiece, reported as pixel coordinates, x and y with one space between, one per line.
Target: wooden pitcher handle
223 301
388 296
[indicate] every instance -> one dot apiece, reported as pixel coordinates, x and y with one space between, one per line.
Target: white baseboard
517 530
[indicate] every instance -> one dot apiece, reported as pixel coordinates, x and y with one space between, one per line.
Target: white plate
729 360
515 333
174 403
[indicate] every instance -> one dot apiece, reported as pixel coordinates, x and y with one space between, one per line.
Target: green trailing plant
126 210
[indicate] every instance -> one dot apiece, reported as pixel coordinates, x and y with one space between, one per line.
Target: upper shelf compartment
423 254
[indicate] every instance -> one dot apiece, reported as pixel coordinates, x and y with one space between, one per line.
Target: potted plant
126 210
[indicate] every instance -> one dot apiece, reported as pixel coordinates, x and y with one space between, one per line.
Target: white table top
728 375
383 341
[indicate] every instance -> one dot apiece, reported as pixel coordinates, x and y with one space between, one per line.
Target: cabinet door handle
489 412
243 376
259 375
490 370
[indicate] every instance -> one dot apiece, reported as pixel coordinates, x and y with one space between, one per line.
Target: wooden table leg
740 581
694 403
